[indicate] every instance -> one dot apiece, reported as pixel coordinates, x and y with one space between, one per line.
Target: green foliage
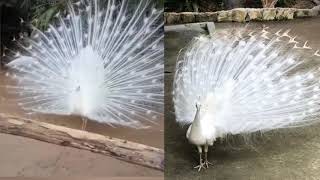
178 5
285 3
26 4
193 5
44 13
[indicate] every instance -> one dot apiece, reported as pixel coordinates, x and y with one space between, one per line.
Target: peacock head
198 106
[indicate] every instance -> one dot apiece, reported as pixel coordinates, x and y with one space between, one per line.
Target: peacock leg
206 162
84 123
201 164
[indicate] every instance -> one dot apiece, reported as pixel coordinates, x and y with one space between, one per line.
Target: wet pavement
282 154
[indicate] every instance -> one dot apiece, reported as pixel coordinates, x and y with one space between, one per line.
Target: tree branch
117 148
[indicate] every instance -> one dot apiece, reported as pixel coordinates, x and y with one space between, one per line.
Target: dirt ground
26 157
283 154
31 158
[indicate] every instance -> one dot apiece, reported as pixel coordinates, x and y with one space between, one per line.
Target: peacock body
245 82
102 60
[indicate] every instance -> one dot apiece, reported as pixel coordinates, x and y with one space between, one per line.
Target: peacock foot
207 163
200 166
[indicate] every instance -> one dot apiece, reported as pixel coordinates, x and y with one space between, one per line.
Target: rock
173 18
316 10
201 17
206 17
289 13
165 15
301 13
224 16
211 28
187 17
285 13
213 16
269 13
239 15
255 14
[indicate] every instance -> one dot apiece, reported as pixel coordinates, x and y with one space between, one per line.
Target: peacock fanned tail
102 60
249 80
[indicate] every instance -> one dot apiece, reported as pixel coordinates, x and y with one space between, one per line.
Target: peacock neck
197 122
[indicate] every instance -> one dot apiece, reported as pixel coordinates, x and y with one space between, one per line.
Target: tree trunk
117 148
269 3
231 4
195 6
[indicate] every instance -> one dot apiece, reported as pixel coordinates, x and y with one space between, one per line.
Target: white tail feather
259 81
104 62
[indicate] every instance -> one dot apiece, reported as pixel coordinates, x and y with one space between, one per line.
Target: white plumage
103 60
246 82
